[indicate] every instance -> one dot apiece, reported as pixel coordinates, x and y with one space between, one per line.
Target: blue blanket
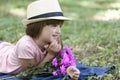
86 71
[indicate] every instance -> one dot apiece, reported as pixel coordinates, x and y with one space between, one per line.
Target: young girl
41 42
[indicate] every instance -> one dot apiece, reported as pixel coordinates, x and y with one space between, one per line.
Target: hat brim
26 21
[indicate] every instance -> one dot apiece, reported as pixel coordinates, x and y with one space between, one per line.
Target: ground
93 34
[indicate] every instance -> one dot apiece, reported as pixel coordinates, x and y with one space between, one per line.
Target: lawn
93 34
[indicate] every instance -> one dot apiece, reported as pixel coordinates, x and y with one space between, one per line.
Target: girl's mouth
56 37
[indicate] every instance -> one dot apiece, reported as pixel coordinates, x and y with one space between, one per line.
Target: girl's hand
51 50
73 72
54 47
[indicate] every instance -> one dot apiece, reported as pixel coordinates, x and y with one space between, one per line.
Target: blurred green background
94 33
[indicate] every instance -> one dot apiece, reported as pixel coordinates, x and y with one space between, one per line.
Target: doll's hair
35 29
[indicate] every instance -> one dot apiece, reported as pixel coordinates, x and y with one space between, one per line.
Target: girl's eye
54 25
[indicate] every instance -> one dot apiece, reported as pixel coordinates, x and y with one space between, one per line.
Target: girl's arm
47 58
52 49
26 62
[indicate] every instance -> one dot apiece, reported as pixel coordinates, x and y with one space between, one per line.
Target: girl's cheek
51 39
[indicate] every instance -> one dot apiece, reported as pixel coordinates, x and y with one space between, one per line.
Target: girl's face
51 33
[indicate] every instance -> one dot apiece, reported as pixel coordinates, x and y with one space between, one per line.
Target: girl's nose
58 29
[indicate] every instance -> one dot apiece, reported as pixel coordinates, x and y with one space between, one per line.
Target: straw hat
40 10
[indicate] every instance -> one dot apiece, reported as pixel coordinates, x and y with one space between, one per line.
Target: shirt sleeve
25 51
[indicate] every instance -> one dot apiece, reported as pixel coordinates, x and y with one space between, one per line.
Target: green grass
96 42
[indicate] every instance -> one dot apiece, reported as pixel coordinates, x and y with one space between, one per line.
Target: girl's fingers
73 72
51 46
46 46
77 73
54 46
59 41
75 77
59 47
